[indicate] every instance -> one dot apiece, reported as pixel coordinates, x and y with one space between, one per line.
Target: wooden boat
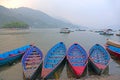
115 51
113 43
77 59
53 60
32 63
11 56
99 58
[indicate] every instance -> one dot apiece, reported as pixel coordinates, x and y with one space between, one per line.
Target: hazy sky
93 13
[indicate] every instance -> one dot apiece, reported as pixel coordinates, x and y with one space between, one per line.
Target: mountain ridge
34 18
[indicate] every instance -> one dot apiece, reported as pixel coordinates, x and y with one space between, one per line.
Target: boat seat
32 67
30 56
52 57
30 62
28 66
78 61
72 57
34 58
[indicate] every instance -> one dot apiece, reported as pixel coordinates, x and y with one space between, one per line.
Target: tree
16 25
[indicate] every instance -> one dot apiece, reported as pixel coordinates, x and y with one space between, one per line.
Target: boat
113 50
118 34
32 63
10 56
77 59
99 58
113 43
80 30
107 32
54 58
65 30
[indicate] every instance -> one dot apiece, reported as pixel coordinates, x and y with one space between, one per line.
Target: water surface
45 39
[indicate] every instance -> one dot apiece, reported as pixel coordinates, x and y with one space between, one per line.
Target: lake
45 39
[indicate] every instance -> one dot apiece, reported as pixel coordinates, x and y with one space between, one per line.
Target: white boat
107 32
118 34
65 30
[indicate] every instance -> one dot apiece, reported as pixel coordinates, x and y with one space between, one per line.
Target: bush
16 25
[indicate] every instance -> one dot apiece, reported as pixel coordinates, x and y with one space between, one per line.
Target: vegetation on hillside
20 25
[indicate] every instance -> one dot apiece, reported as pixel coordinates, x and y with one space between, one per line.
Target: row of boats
76 56
108 32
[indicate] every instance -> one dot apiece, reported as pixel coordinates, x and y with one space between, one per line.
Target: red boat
115 51
77 59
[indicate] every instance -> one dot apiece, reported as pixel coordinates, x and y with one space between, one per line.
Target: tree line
16 25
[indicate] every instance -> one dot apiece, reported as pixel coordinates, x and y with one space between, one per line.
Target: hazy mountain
6 15
32 17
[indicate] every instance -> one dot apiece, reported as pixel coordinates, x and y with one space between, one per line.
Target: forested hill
34 18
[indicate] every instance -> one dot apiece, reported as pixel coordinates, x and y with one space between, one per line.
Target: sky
90 13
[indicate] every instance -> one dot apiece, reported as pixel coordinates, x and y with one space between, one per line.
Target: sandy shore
14 72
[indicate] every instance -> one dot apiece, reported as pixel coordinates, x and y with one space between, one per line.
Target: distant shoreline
14 28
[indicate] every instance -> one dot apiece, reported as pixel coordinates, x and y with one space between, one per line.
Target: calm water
45 39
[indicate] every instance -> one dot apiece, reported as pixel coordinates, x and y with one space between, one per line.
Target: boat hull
10 60
81 70
32 63
52 74
13 55
35 74
77 59
99 59
95 68
54 58
113 53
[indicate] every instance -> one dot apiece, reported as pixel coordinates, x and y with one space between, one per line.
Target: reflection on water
45 39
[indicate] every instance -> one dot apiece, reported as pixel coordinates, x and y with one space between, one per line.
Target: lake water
45 39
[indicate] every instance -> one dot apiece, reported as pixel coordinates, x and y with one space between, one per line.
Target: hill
32 17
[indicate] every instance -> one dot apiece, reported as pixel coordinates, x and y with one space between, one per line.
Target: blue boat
99 58
77 59
53 60
10 56
32 63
